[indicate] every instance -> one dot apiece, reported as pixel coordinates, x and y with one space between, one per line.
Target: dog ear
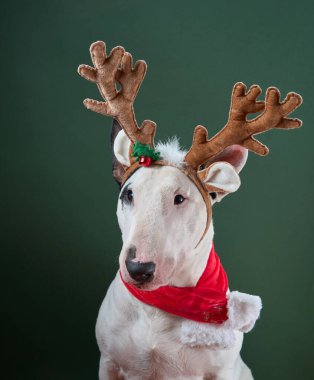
220 178
235 155
120 145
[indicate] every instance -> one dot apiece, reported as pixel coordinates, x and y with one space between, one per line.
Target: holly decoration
144 154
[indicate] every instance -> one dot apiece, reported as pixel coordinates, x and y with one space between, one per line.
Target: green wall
60 243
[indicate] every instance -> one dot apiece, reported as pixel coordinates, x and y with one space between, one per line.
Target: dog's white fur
139 342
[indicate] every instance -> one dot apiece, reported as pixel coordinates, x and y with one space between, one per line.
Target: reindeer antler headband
118 68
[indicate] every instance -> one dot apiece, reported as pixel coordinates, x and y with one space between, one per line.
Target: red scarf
205 302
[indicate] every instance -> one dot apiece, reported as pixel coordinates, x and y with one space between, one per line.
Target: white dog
138 341
169 313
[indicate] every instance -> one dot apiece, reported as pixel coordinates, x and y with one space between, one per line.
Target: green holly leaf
144 150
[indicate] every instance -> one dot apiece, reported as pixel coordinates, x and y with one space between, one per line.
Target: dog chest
144 340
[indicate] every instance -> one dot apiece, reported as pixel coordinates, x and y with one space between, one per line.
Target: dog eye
178 199
213 195
129 195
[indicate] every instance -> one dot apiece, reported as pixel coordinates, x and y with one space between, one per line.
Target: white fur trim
170 151
243 311
121 148
214 336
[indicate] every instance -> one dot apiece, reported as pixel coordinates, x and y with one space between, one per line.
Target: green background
60 239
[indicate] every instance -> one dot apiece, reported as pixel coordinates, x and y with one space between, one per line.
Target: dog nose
141 272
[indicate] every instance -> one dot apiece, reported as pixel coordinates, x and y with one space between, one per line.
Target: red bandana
205 302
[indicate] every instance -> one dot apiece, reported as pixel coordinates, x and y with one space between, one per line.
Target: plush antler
107 70
239 130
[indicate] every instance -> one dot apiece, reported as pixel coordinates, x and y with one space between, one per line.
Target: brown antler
239 130
117 67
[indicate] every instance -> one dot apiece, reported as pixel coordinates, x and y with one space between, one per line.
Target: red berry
145 161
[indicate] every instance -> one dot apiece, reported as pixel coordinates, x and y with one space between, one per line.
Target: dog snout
140 272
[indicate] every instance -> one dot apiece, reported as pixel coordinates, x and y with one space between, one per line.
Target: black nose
141 272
